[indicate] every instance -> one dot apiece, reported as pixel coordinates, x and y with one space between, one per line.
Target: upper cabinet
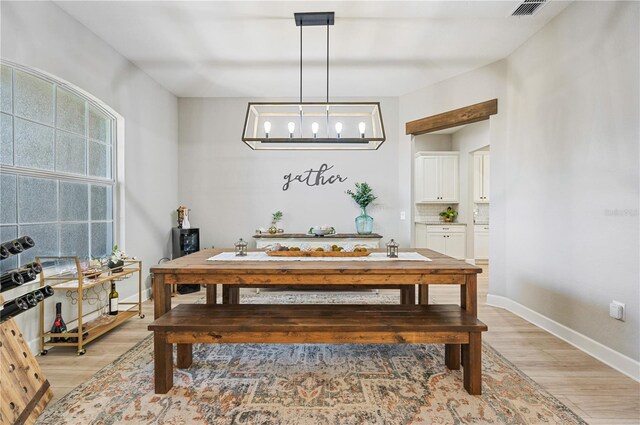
436 177
481 177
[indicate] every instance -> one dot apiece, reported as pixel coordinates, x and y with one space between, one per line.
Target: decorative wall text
313 177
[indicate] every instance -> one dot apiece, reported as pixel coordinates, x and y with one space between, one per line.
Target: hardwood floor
593 390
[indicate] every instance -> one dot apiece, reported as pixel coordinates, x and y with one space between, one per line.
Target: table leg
470 299
230 294
161 296
212 293
408 294
423 294
452 356
185 355
162 362
472 363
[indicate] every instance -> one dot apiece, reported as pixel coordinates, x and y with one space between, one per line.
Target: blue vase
364 223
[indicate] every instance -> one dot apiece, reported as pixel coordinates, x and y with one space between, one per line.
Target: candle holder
241 248
392 249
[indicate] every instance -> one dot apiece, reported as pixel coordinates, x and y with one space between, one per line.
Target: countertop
308 236
440 223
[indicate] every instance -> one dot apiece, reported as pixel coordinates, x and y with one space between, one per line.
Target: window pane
101 239
74 239
6 91
101 202
70 112
6 139
99 126
33 145
99 160
8 212
8 233
74 201
70 153
37 200
46 238
33 98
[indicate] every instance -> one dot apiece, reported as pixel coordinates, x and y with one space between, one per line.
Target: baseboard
470 261
606 355
34 344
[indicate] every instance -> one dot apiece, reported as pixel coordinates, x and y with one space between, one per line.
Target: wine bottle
14 247
26 242
39 296
30 299
59 327
10 280
35 266
47 291
27 275
113 299
13 308
4 252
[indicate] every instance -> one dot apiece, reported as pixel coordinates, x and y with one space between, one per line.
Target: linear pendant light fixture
314 125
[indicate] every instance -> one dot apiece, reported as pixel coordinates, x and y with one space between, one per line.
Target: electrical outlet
403 216
617 310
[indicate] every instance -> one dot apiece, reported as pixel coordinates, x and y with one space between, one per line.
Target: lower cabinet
448 240
481 242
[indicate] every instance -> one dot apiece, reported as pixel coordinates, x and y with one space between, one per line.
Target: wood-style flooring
593 390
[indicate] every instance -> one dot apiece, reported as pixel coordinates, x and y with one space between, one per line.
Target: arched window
57 168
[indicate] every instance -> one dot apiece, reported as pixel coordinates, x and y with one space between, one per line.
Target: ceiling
251 48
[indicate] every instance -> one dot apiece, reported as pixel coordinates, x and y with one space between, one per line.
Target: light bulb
338 128
362 126
267 128
314 129
292 128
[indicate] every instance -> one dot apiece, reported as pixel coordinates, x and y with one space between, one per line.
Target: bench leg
452 356
408 294
212 293
185 355
162 363
472 363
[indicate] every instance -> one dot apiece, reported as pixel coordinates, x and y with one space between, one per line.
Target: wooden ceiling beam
466 115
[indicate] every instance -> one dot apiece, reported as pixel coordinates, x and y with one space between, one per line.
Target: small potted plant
275 218
449 215
363 196
117 260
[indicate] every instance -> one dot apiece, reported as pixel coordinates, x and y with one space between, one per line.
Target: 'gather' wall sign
313 177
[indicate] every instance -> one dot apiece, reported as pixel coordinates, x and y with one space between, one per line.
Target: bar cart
78 284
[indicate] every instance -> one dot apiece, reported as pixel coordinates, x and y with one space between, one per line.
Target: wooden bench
317 323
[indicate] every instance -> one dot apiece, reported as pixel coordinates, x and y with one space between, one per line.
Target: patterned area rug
309 384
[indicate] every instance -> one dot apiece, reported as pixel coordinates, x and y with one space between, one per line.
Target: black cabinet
185 242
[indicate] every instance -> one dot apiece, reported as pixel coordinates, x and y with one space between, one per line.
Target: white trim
471 261
616 360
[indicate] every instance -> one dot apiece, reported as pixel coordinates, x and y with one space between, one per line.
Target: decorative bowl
322 230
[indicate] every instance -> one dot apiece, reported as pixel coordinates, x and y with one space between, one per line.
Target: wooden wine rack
24 390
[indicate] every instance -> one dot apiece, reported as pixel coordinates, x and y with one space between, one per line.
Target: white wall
232 190
467 140
572 161
40 35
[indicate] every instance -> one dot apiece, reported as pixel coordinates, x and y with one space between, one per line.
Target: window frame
116 179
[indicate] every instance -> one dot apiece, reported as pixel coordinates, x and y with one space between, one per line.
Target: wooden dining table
319 275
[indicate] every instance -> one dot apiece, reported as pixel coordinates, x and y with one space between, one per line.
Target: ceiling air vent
528 7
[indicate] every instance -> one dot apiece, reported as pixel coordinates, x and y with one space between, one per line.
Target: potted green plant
275 218
363 196
116 261
449 215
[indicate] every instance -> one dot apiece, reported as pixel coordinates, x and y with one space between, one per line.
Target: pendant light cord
327 61
301 63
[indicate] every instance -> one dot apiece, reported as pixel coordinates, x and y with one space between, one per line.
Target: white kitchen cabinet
481 242
448 239
436 177
481 172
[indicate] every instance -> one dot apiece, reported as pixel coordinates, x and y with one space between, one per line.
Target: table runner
374 256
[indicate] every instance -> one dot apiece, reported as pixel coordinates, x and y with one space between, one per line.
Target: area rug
309 384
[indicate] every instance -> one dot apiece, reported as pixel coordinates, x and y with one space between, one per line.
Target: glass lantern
241 248
392 249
